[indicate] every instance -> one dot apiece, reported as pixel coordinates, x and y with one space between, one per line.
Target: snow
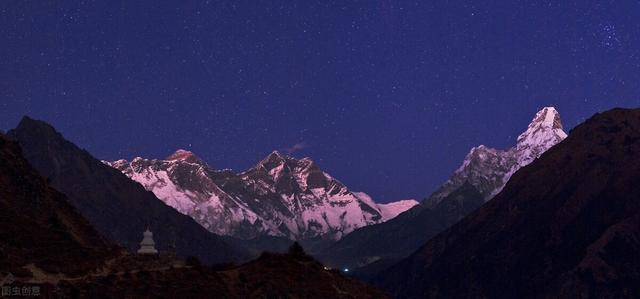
180 154
330 210
490 169
205 206
393 209
388 210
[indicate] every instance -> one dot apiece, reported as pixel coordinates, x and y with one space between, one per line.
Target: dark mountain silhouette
117 207
566 226
39 229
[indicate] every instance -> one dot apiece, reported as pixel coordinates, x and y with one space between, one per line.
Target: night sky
387 96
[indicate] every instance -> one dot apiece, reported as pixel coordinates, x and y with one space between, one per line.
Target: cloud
296 147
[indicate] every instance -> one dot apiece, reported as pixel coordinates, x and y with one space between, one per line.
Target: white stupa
147 246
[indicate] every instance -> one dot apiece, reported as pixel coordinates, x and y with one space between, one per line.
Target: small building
147 246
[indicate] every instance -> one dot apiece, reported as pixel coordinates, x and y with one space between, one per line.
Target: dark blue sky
387 96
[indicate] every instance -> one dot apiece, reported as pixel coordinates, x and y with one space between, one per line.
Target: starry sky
387 96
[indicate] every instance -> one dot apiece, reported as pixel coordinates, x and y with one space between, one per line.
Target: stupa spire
147 246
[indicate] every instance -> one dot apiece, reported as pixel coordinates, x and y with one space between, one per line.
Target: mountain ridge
279 196
41 231
544 131
566 225
115 206
482 173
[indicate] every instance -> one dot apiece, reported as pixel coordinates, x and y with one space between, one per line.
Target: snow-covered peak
136 159
276 155
488 169
544 131
388 210
116 164
476 155
182 155
280 196
548 117
274 159
546 126
393 209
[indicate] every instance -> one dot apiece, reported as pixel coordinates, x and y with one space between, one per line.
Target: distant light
346 270
327 268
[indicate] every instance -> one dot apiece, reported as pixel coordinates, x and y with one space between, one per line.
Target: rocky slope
117 207
39 230
482 174
280 196
566 226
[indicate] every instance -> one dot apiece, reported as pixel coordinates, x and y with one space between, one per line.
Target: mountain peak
548 117
544 131
27 122
181 154
26 119
488 169
186 156
587 181
272 160
276 154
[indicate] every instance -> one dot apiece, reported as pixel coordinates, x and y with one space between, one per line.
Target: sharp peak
278 157
547 117
286 157
35 127
27 118
276 153
281 155
544 130
274 156
548 108
28 121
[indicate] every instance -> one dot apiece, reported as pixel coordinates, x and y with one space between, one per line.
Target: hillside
567 225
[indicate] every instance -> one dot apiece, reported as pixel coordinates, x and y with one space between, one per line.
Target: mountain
46 243
482 174
117 207
565 226
488 169
281 196
40 231
383 244
392 209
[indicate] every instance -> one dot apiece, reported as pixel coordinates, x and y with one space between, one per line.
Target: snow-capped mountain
388 210
186 183
483 173
489 169
280 196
